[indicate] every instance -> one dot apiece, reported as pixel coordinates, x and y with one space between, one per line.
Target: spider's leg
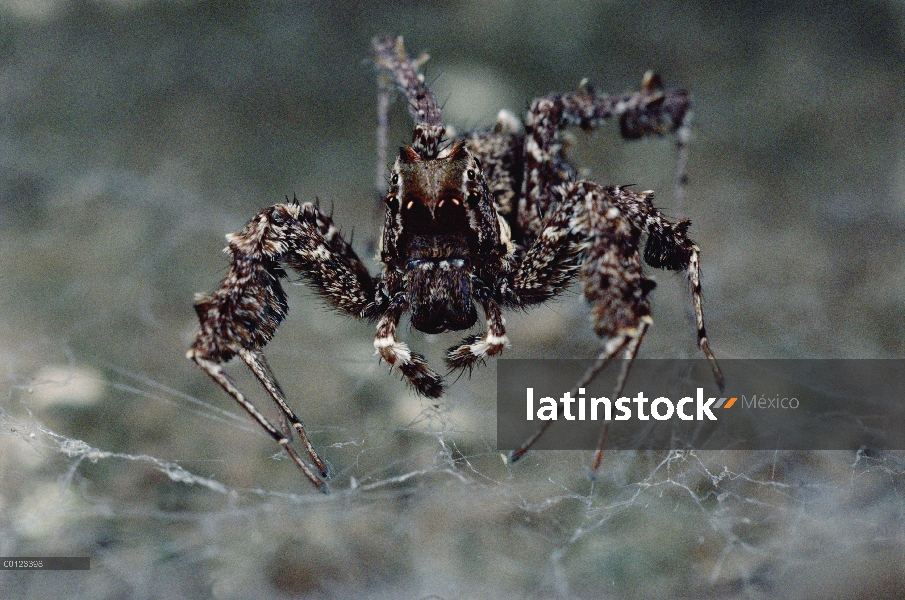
397 354
611 349
384 87
668 247
326 260
683 135
428 132
649 111
223 380
258 366
475 348
552 259
614 284
631 351
500 152
242 316
697 298
652 110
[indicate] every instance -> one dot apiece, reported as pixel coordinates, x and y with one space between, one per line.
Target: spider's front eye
393 203
471 174
473 200
415 214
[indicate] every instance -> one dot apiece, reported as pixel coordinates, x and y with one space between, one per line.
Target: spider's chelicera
495 219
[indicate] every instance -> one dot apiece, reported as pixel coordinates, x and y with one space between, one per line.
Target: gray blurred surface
134 135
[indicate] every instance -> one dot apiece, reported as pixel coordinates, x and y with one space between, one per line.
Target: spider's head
441 227
433 196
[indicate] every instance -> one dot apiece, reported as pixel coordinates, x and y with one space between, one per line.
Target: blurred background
134 135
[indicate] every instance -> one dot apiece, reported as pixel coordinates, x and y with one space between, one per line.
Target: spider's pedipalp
397 354
476 348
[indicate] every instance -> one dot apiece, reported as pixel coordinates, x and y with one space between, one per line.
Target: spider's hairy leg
215 370
697 297
389 53
611 348
668 247
552 259
384 87
475 348
500 151
611 271
631 351
651 110
546 268
397 354
258 365
614 284
683 136
327 261
242 316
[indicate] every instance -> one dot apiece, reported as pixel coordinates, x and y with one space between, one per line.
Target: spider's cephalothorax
493 219
441 233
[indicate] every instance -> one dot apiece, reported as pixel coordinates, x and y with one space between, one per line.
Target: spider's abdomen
440 295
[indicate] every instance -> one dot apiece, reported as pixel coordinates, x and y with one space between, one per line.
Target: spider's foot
474 349
323 468
422 378
516 455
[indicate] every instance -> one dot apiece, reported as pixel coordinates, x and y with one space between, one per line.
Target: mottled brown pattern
496 219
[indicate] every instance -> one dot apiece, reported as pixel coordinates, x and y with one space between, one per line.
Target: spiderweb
135 135
425 506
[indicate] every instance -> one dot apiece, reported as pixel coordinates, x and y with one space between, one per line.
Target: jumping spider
496 218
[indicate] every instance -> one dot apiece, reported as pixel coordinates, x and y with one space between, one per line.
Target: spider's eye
473 200
416 215
393 203
471 174
394 179
450 214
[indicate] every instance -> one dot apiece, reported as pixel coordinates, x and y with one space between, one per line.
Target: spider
494 218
